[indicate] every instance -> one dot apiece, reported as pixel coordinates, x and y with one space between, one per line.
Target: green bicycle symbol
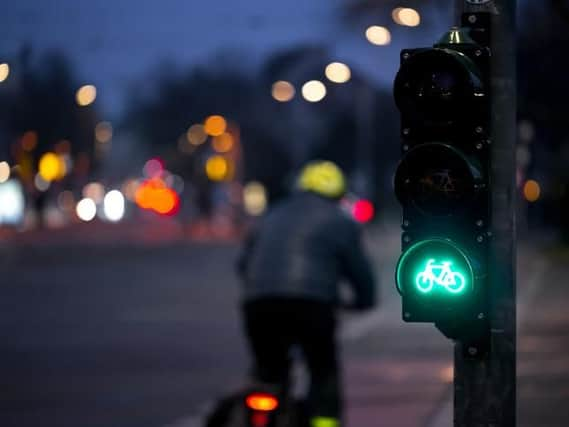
442 275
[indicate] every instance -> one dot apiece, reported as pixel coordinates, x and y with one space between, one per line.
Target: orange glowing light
153 194
532 190
223 143
215 125
217 168
262 402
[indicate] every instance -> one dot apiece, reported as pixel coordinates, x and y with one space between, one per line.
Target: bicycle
441 275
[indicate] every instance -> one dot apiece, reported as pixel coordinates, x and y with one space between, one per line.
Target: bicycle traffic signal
443 95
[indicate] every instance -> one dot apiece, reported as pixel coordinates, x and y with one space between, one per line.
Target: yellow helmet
324 178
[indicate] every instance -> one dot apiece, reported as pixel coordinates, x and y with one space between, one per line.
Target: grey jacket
302 248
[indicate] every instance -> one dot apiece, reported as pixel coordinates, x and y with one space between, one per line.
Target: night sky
114 43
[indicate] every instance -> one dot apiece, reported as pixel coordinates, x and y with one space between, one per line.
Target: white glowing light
314 91
86 209
12 202
113 205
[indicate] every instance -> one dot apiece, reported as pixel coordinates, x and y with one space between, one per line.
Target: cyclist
291 265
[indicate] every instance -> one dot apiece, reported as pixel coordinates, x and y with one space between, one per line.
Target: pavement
146 332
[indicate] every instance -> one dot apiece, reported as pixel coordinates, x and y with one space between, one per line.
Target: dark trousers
274 325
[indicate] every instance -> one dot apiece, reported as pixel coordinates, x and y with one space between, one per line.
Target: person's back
291 267
302 248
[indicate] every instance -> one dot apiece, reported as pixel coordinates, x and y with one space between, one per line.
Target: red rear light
260 419
262 402
363 211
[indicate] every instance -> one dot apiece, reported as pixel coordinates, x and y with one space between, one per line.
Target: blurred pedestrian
291 267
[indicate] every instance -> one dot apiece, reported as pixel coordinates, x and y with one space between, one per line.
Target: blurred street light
283 91
217 168
215 125
86 95
196 134
4 172
338 72
113 205
377 35
532 190
314 91
4 71
223 143
103 132
406 16
12 202
254 198
52 167
86 210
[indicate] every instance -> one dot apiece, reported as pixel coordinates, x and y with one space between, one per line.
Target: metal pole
485 388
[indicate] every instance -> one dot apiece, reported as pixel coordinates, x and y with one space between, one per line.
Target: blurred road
147 334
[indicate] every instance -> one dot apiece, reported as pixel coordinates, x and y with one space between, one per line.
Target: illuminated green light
436 270
441 275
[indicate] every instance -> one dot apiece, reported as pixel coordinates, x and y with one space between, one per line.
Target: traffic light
442 182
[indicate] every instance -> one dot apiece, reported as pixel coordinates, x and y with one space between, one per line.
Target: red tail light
260 419
363 211
262 402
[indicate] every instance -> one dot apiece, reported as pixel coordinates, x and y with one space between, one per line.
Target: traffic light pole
485 383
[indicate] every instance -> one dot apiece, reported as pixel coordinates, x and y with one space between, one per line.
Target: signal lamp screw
479 129
406 131
479 146
480 316
405 223
406 239
472 19
405 147
472 351
479 223
480 239
478 52
407 315
406 55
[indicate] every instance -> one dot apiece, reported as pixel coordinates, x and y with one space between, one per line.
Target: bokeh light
196 134
215 125
406 16
86 95
223 143
113 205
4 172
12 202
129 188
363 211
94 191
282 91
254 198
338 72
153 168
86 209
52 167
154 195
532 190
377 35
103 132
41 184
217 168
4 71
314 91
